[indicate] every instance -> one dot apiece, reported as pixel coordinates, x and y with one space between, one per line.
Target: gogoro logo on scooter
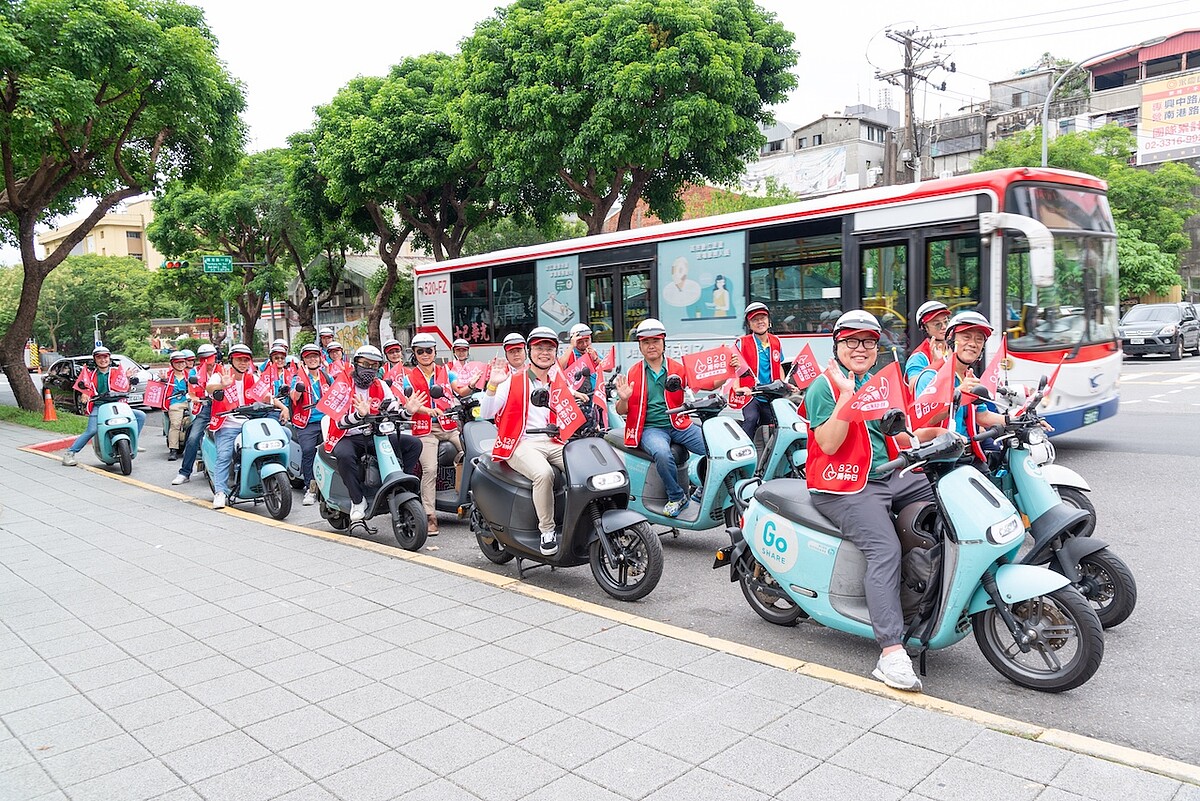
874 400
777 545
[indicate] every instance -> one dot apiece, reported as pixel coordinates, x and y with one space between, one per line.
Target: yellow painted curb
1088 746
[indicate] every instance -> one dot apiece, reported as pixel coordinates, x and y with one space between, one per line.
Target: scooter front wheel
124 457
1109 586
1079 499
1067 641
409 523
278 495
766 597
638 566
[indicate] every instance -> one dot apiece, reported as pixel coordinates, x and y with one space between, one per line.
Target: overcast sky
292 55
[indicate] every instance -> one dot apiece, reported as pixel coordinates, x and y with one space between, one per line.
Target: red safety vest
511 420
375 395
304 412
89 377
635 418
422 423
235 395
846 471
747 347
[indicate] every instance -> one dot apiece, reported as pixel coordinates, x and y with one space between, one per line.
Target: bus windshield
1081 307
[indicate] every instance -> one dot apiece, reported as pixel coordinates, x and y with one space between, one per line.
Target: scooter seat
789 497
680 453
502 472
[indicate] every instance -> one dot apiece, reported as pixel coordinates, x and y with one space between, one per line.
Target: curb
1068 741
50 445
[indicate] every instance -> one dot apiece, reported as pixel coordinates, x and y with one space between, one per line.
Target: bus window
885 294
598 290
798 274
952 271
635 299
613 312
514 293
469 306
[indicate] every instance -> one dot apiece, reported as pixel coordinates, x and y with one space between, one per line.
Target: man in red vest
643 399
843 458
933 318
532 455
100 380
761 353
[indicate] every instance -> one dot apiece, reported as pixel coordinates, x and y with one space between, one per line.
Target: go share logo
777 545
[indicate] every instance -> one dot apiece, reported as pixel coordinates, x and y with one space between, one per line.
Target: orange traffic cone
49 414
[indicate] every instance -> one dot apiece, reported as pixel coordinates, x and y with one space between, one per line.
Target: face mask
365 376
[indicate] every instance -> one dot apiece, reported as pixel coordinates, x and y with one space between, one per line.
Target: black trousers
350 450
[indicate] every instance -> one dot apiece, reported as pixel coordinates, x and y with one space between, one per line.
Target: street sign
218 264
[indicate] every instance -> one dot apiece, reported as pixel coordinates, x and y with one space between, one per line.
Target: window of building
797 271
133 234
952 271
1192 61
775 147
1164 65
818 139
874 133
1126 119
101 233
1066 126
135 256
1114 80
801 142
1020 99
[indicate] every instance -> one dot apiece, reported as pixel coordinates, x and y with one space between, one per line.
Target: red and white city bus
1032 249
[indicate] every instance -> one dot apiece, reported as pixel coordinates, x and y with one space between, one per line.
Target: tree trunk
632 196
12 346
375 316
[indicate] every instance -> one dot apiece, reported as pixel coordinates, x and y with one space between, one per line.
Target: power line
1077 30
1067 19
985 23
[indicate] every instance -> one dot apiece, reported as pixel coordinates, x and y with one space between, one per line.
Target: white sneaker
69 459
896 671
549 544
219 500
180 478
358 511
309 499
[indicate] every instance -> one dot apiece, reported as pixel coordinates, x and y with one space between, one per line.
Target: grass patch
65 424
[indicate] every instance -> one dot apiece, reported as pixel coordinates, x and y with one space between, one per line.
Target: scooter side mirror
674 383
585 373
133 382
982 393
436 391
218 394
193 381
893 422
540 397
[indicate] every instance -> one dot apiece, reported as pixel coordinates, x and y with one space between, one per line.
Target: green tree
579 104
101 101
246 218
196 294
727 201
514 232
401 304
1150 206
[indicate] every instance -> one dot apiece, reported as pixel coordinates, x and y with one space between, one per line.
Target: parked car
60 378
1171 328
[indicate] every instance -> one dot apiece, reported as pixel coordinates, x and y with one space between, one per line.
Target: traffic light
172 264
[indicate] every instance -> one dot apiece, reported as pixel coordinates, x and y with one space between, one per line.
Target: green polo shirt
656 397
819 402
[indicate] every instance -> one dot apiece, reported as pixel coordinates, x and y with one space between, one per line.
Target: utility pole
915 43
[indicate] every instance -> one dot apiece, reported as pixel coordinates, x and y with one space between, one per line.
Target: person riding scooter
532 455
348 441
932 318
846 487
99 380
177 379
643 398
309 386
206 357
761 354
393 370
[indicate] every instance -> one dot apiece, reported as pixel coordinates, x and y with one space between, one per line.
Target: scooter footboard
1019 583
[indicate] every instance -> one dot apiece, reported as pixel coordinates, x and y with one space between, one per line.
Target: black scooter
590 512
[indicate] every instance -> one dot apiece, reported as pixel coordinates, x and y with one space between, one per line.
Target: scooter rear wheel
635 575
409 524
1079 499
277 494
1067 648
124 457
491 547
1109 586
765 596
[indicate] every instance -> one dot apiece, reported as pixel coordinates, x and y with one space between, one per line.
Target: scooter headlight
741 454
1006 530
607 481
387 427
800 428
269 445
118 421
1042 453
1036 436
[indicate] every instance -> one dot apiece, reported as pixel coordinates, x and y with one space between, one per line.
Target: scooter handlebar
707 403
989 433
549 430
943 446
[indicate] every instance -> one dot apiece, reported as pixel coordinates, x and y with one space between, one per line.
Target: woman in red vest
643 398
843 458
761 355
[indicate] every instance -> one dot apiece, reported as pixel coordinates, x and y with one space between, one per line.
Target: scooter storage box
504 494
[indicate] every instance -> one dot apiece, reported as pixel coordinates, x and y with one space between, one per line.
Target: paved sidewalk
181 653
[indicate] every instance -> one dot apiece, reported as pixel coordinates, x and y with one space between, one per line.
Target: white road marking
1186 378
1156 400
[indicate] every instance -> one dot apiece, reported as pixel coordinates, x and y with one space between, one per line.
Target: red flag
708 369
564 406
335 401
158 395
576 367
936 397
805 369
991 376
263 386
883 391
610 361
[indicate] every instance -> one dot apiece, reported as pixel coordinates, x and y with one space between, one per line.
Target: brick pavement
187 654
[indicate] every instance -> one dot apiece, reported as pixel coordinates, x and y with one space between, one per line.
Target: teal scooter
258 471
116 440
785 449
1029 622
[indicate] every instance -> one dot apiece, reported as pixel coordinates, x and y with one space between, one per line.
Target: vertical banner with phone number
558 292
701 286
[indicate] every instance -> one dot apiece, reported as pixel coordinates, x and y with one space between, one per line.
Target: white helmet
542 334
581 330
857 320
241 350
514 340
967 319
325 332
335 345
424 341
207 349
756 308
368 352
929 309
388 344
460 343
649 328
279 347
279 341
